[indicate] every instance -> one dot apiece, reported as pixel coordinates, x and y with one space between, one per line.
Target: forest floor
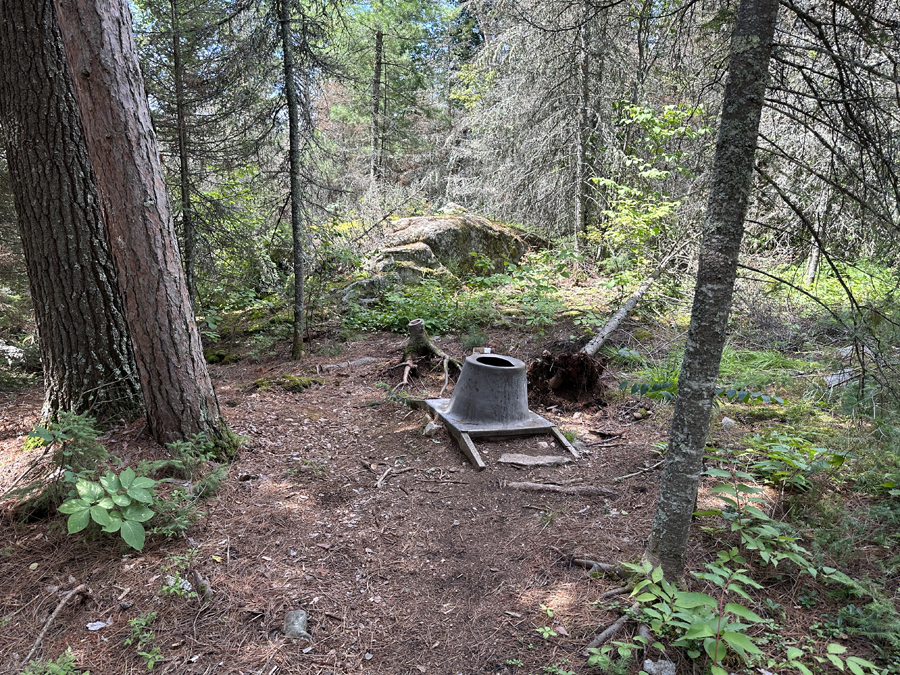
406 558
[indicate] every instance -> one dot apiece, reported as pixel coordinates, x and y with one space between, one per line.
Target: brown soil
440 570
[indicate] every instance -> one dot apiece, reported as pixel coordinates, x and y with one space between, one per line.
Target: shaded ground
440 569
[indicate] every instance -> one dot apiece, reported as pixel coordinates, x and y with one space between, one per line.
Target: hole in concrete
494 361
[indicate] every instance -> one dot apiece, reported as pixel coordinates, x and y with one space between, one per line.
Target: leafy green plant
175 582
615 657
701 623
546 632
835 654
117 503
143 638
64 664
789 461
771 540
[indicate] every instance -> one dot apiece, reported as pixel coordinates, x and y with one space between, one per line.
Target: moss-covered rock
453 238
287 382
220 356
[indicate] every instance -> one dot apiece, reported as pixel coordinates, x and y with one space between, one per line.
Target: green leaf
89 490
127 477
110 482
140 495
115 522
137 512
741 643
834 648
698 630
688 600
106 503
645 597
794 653
724 489
743 612
717 670
73 506
718 473
78 521
121 500
133 534
657 575
715 650
143 482
100 515
854 668
802 668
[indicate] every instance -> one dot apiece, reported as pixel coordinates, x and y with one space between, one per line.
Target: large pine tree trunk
732 175
85 351
99 44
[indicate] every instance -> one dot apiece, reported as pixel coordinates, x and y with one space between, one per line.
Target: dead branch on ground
81 588
589 490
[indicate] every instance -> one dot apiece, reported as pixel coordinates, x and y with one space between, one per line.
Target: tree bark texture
187 217
99 44
376 104
85 350
293 104
732 175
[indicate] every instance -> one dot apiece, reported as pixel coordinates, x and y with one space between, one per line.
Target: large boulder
453 238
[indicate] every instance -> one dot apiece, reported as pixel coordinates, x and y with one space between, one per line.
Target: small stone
637 416
97 625
431 429
728 423
661 667
543 445
295 624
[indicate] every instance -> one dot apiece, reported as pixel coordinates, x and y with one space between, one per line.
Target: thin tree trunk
293 104
581 169
376 104
85 351
178 395
732 175
187 217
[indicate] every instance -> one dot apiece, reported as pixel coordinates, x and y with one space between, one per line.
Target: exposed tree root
564 489
421 345
613 592
611 631
566 375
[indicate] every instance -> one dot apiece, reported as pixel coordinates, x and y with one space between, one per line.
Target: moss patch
220 356
287 382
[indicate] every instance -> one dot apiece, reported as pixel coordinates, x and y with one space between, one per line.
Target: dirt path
440 569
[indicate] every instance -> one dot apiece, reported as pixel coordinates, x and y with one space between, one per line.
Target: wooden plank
561 437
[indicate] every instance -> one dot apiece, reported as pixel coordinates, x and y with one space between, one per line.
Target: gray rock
661 667
13 355
531 460
431 429
452 238
295 624
728 423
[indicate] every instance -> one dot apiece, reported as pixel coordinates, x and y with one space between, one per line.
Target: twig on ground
610 632
639 472
81 588
446 376
605 444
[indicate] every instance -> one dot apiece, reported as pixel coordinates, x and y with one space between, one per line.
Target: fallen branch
638 473
610 632
564 489
361 361
592 347
37 643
